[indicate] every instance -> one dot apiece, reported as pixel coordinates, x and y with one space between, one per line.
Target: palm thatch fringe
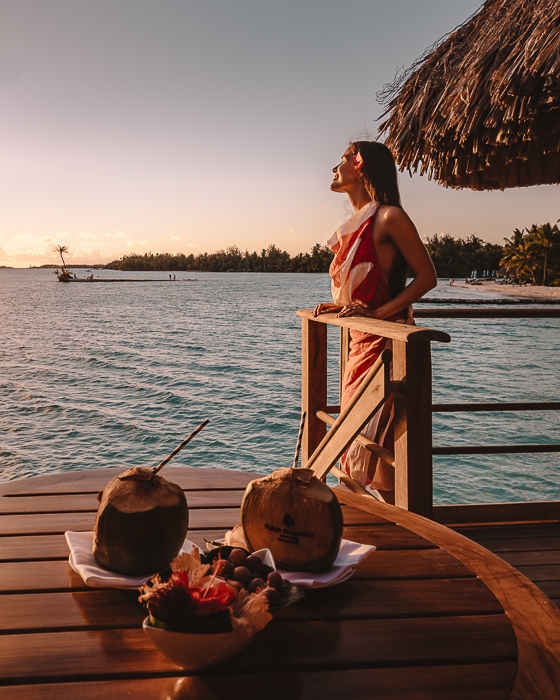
482 110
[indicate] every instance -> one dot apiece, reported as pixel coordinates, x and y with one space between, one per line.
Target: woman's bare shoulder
394 219
392 214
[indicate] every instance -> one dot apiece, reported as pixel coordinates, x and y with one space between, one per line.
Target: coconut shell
296 516
141 523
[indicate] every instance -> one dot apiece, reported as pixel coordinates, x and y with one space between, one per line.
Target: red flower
177 601
358 161
214 599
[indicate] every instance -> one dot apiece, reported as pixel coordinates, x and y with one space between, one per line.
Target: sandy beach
537 292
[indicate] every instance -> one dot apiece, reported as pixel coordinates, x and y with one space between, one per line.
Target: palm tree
61 249
515 240
521 260
545 242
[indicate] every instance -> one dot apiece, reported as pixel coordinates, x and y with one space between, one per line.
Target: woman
374 250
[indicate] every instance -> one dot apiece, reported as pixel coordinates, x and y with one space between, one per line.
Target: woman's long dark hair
380 178
379 172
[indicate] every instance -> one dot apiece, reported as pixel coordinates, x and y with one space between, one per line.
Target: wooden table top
428 614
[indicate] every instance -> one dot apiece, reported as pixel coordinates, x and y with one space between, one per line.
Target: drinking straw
170 456
299 439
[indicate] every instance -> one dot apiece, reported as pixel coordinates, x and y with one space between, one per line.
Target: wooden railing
494 512
410 383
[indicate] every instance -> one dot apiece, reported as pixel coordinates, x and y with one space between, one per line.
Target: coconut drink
141 523
296 516
142 520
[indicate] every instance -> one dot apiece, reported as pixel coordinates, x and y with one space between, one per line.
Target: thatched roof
482 110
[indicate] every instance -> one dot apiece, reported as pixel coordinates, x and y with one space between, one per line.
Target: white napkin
82 561
349 556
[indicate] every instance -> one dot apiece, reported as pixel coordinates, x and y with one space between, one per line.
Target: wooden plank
54 575
41 547
393 599
91 609
551 589
344 353
521 544
364 403
485 407
496 449
413 428
482 533
411 564
39 576
313 384
537 574
387 537
47 547
295 645
490 681
54 523
362 440
111 609
535 619
65 503
538 558
387 329
481 513
345 481
354 516
88 480
483 312
33 574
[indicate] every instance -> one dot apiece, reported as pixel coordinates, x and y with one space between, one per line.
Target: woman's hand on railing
357 309
326 308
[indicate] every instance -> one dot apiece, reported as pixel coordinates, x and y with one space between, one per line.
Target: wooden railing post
412 373
313 384
413 427
344 352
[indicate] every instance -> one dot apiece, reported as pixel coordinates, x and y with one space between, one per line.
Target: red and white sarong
358 278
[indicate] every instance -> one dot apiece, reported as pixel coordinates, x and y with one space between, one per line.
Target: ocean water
116 375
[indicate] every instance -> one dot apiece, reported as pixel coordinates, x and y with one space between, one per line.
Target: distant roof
482 109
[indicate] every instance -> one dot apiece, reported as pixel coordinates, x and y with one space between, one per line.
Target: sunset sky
193 125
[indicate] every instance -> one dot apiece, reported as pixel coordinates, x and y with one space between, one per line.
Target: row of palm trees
533 255
457 257
232 259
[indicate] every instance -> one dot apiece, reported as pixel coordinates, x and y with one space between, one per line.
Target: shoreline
503 290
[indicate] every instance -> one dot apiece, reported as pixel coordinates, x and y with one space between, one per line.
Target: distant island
49 266
232 259
452 258
531 256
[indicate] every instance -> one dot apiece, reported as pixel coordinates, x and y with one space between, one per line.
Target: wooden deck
428 614
533 549
525 535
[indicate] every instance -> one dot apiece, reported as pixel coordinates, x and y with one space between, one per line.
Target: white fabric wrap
351 277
